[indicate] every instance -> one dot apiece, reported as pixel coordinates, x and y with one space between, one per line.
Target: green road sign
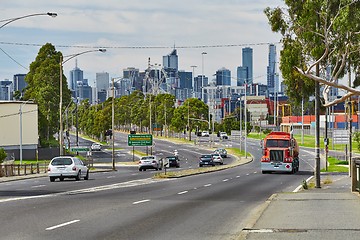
79 149
139 139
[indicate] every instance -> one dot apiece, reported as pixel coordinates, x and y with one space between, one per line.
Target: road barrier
8 170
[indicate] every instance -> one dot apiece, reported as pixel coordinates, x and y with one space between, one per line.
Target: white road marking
247 174
300 186
207 185
237 176
142 201
38 186
180 193
110 176
225 180
61 225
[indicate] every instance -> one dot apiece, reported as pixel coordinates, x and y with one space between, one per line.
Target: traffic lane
129 213
43 186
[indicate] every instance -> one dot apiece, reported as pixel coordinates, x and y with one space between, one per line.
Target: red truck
280 153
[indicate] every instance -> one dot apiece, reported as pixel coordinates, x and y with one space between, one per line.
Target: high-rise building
247 62
241 75
185 87
102 81
271 70
133 75
84 91
76 75
6 90
171 67
223 77
19 82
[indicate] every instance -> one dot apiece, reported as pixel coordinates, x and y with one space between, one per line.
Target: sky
133 31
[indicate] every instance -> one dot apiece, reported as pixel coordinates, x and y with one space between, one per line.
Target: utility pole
317 131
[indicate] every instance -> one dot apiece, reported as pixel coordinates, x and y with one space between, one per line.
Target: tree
318 35
43 87
3 155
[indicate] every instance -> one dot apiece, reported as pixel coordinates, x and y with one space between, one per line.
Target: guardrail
8 170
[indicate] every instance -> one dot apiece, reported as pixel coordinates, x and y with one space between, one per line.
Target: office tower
247 62
102 81
84 91
223 77
19 82
171 61
76 75
271 70
133 75
185 80
6 89
241 75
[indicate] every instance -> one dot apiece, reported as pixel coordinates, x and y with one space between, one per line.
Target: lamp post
20 115
202 74
240 122
193 75
61 63
10 20
113 121
245 147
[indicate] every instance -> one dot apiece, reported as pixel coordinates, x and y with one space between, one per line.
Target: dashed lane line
61 225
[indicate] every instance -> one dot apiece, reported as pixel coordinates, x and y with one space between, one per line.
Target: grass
336 165
28 162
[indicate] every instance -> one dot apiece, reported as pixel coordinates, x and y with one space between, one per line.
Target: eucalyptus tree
318 35
43 87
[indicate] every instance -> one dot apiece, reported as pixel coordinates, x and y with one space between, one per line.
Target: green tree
3 155
317 35
43 87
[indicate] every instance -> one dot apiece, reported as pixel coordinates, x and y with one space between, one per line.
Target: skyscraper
223 77
247 62
171 67
102 81
241 75
76 75
271 70
19 82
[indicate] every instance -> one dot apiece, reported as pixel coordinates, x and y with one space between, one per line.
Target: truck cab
280 153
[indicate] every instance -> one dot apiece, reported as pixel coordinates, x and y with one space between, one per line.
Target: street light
202 74
20 115
10 20
113 120
62 62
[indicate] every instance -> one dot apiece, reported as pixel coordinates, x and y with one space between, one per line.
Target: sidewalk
329 212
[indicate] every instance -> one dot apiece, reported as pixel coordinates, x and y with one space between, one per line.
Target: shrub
3 155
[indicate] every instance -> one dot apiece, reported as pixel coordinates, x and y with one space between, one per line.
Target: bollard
25 169
37 168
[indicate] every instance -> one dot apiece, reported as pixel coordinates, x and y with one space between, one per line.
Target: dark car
206 160
174 161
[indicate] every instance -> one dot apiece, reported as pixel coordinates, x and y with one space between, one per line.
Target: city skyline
137 31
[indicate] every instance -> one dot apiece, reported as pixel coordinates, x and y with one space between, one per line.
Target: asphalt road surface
128 204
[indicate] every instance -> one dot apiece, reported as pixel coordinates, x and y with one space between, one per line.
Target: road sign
340 136
79 149
140 140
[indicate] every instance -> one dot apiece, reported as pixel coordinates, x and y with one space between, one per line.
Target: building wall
10 127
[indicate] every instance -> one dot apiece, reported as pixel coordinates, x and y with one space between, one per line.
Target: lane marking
225 180
142 201
300 186
207 185
180 193
110 176
38 186
61 225
237 176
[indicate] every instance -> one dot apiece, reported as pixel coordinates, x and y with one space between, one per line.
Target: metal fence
8 170
356 174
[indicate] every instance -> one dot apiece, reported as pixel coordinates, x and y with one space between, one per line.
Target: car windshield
61 161
148 158
277 143
171 158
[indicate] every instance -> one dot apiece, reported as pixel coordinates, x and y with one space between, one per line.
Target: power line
13 59
145 47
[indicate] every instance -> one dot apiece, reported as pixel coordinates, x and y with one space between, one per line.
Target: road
128 204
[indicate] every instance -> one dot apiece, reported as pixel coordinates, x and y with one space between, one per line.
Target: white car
223 135
205 134
67 167
217 158
95 147
150 162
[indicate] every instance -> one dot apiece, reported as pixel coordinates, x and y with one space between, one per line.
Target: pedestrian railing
7 170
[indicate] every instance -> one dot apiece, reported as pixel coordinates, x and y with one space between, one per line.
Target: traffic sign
79 149
140 140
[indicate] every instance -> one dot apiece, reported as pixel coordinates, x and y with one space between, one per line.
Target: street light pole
61 63
113 122
193 74
202 75
10 20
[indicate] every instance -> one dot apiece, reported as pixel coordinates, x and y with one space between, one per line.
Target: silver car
150 162
67 167
217 158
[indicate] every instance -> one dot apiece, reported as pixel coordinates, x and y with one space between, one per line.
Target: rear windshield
277 143
171 158
206 156
61 161
147 158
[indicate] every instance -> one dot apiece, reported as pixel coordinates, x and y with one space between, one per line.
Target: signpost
140 140
79 149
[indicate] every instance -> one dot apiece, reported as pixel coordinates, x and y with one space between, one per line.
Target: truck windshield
277 143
